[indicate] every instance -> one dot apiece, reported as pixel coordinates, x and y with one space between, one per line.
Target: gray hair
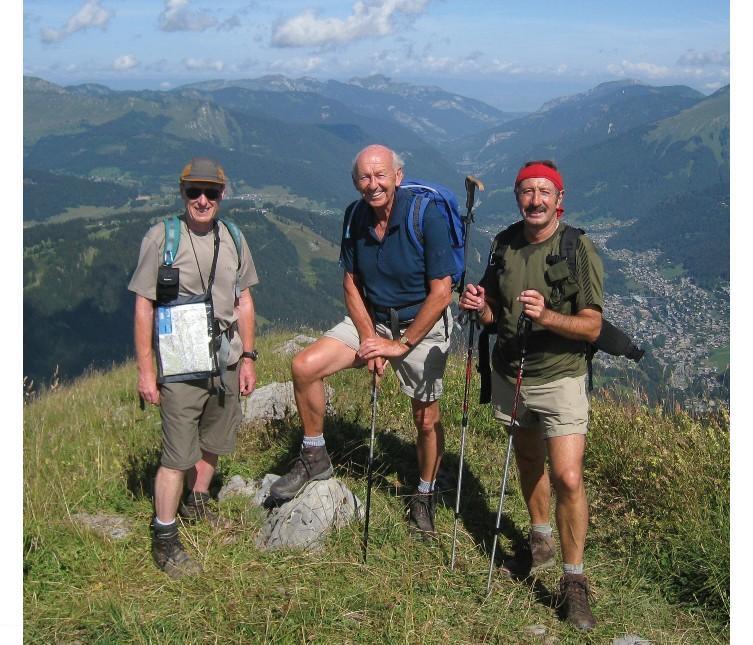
397 161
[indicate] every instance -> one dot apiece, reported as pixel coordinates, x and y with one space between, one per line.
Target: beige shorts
193 419
420 371
555 409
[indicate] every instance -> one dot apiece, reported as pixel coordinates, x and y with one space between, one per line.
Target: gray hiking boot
573 598
421 507
196 506
312 464
169 554
542 551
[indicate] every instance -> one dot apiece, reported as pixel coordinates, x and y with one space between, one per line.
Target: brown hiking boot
542 551
421 508
573 598
311 464
169 554
196 507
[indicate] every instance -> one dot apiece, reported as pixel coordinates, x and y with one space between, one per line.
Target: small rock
263 491
238 486
631 639
538 631
276 401
294 345
305 520
115 527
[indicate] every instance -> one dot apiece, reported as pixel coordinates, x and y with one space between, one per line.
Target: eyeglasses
212 194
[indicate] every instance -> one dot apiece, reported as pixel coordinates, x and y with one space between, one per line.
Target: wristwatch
253 354
404 341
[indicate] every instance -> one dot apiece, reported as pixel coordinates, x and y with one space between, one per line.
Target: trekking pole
471 183
473 321
524 326
371 463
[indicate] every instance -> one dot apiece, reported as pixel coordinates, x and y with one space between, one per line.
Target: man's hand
147 387
376 364
247 376
534 305
378 347
473 298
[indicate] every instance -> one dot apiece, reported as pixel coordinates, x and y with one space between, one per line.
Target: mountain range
630 153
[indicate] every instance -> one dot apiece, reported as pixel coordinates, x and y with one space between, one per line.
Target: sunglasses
212 194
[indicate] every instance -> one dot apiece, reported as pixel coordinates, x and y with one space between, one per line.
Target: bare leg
310 367
200 476
430 440
168 488
530 454
566 461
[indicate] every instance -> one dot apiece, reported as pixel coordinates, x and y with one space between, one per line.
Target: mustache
532 210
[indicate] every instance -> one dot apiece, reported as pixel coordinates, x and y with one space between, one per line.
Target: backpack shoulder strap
569 244
172 240
501 243
415 220
235 233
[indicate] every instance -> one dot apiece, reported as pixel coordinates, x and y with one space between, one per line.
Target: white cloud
645 70
178 17
91 14
367 20
124 63
692 58
296 66
203 65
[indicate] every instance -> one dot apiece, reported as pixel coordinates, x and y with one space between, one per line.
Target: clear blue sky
513 55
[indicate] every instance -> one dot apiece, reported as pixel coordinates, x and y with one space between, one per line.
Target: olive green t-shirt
549 356
194 259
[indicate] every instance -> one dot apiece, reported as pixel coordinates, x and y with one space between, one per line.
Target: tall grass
657 553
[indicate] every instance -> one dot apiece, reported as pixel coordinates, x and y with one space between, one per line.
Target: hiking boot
542 551
421 508
312 464
195 507
169 554
574 592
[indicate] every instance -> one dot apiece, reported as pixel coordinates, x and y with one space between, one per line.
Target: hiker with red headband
527 277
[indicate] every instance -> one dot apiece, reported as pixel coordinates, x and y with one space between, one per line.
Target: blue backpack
424 193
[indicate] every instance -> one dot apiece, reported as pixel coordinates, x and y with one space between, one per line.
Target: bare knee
427 419
304 367
568 481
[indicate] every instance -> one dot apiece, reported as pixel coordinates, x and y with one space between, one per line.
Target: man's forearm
142 334
584 325
355 303
438 299
247 320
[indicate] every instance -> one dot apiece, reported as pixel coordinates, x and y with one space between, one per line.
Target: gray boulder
304 522
115 527
294 345
276 401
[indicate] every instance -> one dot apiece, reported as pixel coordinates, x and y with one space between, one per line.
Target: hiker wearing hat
187 264
397 300
552 411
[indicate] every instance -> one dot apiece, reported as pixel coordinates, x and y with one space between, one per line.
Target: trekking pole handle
471 183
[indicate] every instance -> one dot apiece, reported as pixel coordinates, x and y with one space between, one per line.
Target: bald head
376 152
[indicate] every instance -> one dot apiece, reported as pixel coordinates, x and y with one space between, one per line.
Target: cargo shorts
193 419
555 409
420 371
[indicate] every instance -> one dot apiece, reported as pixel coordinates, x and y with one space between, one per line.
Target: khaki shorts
193 419
420 371
555 409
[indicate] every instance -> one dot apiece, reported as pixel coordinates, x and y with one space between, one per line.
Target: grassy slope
88 447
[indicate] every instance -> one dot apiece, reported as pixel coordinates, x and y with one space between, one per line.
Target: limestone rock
305 520
294 345
276 401
631 639
115 527
238 486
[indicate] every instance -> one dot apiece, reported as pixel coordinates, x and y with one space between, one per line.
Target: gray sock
424 487
313 442
543 529
573 568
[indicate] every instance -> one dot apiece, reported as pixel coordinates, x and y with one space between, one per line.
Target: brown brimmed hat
203 169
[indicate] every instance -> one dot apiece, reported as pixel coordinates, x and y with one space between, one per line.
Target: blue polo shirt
393 271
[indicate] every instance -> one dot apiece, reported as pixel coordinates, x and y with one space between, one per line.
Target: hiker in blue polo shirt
397 298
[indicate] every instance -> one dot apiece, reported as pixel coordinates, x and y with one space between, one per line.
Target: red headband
540 170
